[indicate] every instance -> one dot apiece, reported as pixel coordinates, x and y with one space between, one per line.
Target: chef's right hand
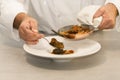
28 29
109 13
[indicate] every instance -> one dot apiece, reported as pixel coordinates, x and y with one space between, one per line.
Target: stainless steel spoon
48 42
81 36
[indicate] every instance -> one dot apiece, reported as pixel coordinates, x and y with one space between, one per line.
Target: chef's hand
109 13
28 28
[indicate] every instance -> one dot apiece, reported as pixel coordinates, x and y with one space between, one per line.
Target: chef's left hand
109 13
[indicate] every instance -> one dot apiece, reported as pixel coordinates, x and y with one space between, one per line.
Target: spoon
57 33
77 36
48 42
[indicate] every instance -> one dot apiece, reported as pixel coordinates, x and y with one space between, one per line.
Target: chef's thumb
35 30
33 27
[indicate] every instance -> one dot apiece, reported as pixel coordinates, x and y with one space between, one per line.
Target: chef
21 19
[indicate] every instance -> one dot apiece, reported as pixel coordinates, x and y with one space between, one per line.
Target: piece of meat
61 51
56 43
58 51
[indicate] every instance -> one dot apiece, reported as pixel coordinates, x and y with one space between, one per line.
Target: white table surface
16 64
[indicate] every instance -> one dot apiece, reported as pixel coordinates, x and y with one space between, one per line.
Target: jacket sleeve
8 10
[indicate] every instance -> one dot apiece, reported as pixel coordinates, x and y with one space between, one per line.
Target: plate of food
65 50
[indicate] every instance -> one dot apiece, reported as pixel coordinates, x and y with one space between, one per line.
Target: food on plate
59 47
76 32
56 43
62 51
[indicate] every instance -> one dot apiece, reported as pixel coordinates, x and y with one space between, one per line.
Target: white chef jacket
49 13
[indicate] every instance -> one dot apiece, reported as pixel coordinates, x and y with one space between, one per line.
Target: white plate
81 48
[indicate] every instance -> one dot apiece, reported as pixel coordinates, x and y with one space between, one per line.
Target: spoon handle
46 39
56 32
